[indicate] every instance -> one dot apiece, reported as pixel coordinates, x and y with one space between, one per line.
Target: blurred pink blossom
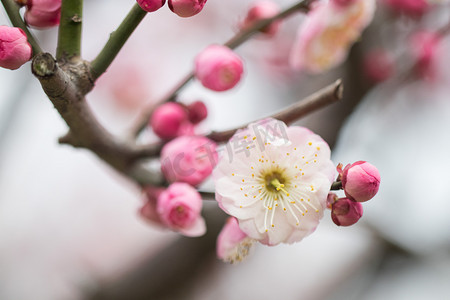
327 34
424 46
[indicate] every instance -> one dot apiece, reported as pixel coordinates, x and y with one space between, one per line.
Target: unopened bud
179 208
360 181
186 8
14 47
168 119
43 13
197 112
346 212
263 10
378 65
151 5
218 68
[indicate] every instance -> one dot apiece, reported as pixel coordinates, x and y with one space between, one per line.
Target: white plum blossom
275 181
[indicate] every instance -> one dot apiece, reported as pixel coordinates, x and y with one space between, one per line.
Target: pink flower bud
168 120
189 159
14 47
186 8
360 181
414 8
197 112
423 47
262 10
218 68
43 13
151 5
346 212
233 245
179 208
378 65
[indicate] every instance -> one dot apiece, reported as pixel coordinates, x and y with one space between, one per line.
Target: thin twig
336 186
319 99
12 9
237 40
247 33
70 27
117 40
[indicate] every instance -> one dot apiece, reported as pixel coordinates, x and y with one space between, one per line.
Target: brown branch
66 86
319 99
237 40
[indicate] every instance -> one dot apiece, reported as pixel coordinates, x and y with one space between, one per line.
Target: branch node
76 18
69 139
43 65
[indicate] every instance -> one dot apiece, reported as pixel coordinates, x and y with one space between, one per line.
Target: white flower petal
277 187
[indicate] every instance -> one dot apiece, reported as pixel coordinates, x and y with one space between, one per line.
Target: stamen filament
279 186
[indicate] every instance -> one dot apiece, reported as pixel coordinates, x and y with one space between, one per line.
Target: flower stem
337 185
70 27
237 40
117 40
12 9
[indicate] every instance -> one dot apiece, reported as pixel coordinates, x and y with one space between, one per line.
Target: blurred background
69 227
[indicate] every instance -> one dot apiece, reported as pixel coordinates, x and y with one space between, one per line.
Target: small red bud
197 112
186 8
151 5
346 212
168 119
